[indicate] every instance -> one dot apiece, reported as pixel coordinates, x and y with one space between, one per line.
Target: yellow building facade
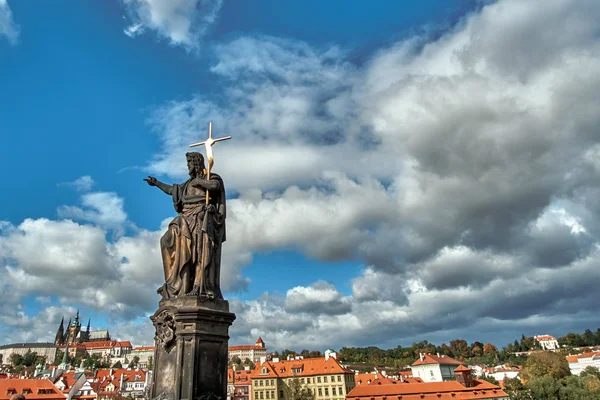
325 377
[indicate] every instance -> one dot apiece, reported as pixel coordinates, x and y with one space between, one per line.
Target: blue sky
399 171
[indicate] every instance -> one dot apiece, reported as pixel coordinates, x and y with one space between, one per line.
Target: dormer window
264 371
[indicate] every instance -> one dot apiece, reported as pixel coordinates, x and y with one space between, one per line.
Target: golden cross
208 144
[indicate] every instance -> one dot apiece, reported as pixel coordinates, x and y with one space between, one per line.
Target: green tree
59 357
249 362
593 371
489 348
150 363
135 361
515 389
294 390
545 388
545 364
15 359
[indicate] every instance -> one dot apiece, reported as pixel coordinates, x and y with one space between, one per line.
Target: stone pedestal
190 360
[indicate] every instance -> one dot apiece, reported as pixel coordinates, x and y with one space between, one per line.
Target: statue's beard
196 172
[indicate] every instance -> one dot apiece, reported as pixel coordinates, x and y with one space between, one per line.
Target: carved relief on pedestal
165 328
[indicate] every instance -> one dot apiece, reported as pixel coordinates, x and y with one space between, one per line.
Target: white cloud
81 184
182 22
8 28
457 169
461 171
102 208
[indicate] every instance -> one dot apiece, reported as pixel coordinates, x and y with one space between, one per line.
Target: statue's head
195 162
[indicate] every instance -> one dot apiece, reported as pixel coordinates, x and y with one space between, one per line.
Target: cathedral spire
60 333
88 327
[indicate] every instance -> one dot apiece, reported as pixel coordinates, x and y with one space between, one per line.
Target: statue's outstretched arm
211 184
152 181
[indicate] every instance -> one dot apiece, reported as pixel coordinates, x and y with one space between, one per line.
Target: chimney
438 354
421 356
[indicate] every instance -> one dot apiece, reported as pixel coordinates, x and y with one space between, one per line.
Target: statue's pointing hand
151 180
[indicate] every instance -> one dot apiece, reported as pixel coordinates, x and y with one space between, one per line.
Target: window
320 392
301 380
272 382
272 394
333 391
268 394
341 390
307 380
325 379
339 378
281 394
326 391
318 379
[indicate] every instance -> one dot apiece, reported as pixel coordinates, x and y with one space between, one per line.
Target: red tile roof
246 347
544 338
431 359
575 358
462 368
41 389
428 390
304 367
144 348
239 377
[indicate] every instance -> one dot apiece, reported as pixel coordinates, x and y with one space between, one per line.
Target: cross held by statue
208 144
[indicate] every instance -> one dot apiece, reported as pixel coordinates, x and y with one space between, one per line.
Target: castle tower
60 333
84 336
73 330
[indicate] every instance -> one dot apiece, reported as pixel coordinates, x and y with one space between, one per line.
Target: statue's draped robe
192 244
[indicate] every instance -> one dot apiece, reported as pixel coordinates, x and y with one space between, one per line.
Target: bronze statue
191 247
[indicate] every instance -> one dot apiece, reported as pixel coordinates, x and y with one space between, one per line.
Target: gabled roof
442 360
303 367
239 377
462 368
260 341
36 386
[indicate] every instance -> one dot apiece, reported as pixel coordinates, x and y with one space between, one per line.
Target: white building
432 368
502 372
47 350
143 353
254 352
580 362
548 342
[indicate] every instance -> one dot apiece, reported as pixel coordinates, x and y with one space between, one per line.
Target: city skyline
404 171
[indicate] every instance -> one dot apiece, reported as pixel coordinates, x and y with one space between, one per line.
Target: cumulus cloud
102 208
462 171
8 28
321 297
81 184
181 22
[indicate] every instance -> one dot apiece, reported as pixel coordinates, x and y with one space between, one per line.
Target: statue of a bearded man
191 247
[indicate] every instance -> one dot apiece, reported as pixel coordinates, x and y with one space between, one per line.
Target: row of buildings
102 384
431 377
